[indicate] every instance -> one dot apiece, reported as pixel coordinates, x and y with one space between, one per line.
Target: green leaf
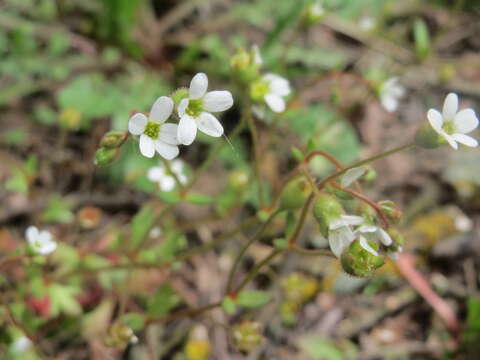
253 298
141 225
63 300
170 197
163 301
18 182
320 349
58 211
297 154
422 39
133 320
229 305
199 199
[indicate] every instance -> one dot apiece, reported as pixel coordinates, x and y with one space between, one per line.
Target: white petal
165 150
44 237
168 134
384 237
137 123
31 233
208 124
198 86
167 183
450 106
182 107
177 166
187 130
48 248
339 239
366 246
275 102
465 140
278 85
389 103
156 173
450 139
352 220
257 57
367 229
147 146
435 119
161 109
465 121
352 175
215 101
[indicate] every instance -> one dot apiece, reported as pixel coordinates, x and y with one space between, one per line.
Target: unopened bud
326 209
119 336
105 156
248 335
241 60
113 139
314 13
361 260
179 94
391 210
238 179
299 288
89 217
70 118
427 138
295 193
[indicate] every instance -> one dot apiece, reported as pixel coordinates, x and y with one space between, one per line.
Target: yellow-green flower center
152 130
195 107
449 127
259 89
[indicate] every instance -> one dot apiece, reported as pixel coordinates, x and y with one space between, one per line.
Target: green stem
254 133
361 163
252 239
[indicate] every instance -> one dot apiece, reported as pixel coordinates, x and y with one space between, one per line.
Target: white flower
352 175
390 93
21 344
375 232
165 180
317 9
277 88
40 241
154 134
195 111
452 124
340 234
366 23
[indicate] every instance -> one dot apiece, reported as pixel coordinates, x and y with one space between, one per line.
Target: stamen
152 130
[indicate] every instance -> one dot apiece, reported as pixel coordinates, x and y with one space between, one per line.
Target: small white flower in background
317 9
452 124
41 242
340 234
154 134
165 180
375 233
195 111
21 344
155 232
366 23
390 93
352 175
271 88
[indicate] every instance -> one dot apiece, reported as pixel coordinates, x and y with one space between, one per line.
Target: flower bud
119 336
295 193
427 138
326 209
70 118
178 95
89 217
314 13
105 156
238 180
361 260
391 210
299 288
241 60
248 335
113 139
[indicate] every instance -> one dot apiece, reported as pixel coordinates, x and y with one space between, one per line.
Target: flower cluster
162 176
194 111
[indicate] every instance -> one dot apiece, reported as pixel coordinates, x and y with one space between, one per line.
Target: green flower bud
427 138
119 336
105 156
248 335
314 13
360 262
70 118
178 95
326 209
238 180
391 210
241 60
295 193
113 139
